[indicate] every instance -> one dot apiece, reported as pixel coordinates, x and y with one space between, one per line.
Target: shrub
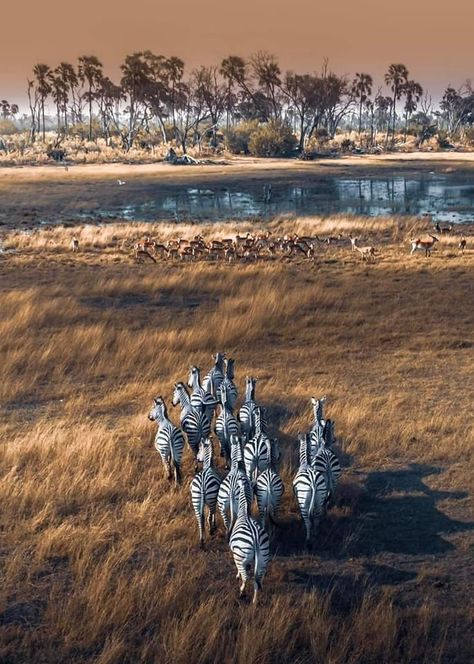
272 139
238 138
7 128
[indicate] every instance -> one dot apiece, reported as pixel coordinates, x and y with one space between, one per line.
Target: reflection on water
448 198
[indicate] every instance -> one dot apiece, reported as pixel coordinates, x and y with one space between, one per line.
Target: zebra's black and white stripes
309 487
269 490
226 425
250 546
169 440
228 497
195 421
204 489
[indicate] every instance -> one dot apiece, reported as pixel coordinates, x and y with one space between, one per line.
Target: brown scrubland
99 553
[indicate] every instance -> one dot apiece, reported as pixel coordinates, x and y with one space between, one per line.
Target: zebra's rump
205 488
169 442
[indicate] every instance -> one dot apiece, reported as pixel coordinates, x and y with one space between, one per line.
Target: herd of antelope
260 246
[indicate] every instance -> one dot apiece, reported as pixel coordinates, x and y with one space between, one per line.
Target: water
446 198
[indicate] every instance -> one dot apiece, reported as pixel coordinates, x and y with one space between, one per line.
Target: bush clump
238 138
272 139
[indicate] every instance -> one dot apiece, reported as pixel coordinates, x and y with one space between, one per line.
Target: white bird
121 183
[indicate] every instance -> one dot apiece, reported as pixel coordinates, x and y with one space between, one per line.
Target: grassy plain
99 555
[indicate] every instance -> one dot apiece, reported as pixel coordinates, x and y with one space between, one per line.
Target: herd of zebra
251 458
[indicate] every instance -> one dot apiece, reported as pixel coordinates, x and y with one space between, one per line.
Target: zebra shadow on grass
392 512
399 514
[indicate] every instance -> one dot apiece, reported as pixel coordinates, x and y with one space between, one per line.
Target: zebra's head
250 383
328 433
194 373
318 405
158 411
230 368
219 360
179 389
205 450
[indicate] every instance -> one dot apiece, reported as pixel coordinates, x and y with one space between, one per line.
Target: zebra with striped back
247 411
256 450
214 378
326 462
194 421
226 425
169 440
269 490
309 487
250 546
199 396
204 489
231 388
228 496
316 435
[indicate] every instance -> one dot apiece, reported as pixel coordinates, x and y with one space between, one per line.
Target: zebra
228 496
247 411
204 489
327 463
199 395
318 405
231 388
250 546
269 489
316 435
309 487
256 451
194 421
214 378
226 425
169 440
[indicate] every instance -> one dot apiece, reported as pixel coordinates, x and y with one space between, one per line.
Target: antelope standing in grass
462 244
367 253
74 245
423 245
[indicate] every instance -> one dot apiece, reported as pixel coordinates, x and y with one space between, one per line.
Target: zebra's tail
201 521
232 516
176 466
256 575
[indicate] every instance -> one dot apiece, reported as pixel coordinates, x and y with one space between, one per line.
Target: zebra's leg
177 472
257 586
211 518
225 518
307 525
167 465
242 571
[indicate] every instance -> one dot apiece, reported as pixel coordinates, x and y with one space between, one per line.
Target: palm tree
233 70
396 77
361 91
59 93
5 108
413 93
43 87
69 82
90 72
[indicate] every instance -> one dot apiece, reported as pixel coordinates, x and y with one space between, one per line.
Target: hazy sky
433 38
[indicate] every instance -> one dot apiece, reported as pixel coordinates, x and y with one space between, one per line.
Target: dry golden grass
99 554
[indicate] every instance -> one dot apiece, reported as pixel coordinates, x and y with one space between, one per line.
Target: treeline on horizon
251 105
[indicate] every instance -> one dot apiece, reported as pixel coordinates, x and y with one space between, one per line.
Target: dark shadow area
399 514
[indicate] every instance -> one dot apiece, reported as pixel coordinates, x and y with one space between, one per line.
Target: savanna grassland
99 554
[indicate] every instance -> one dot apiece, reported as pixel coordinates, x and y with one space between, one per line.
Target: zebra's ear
155 400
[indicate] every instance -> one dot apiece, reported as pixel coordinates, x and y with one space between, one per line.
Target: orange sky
434 39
